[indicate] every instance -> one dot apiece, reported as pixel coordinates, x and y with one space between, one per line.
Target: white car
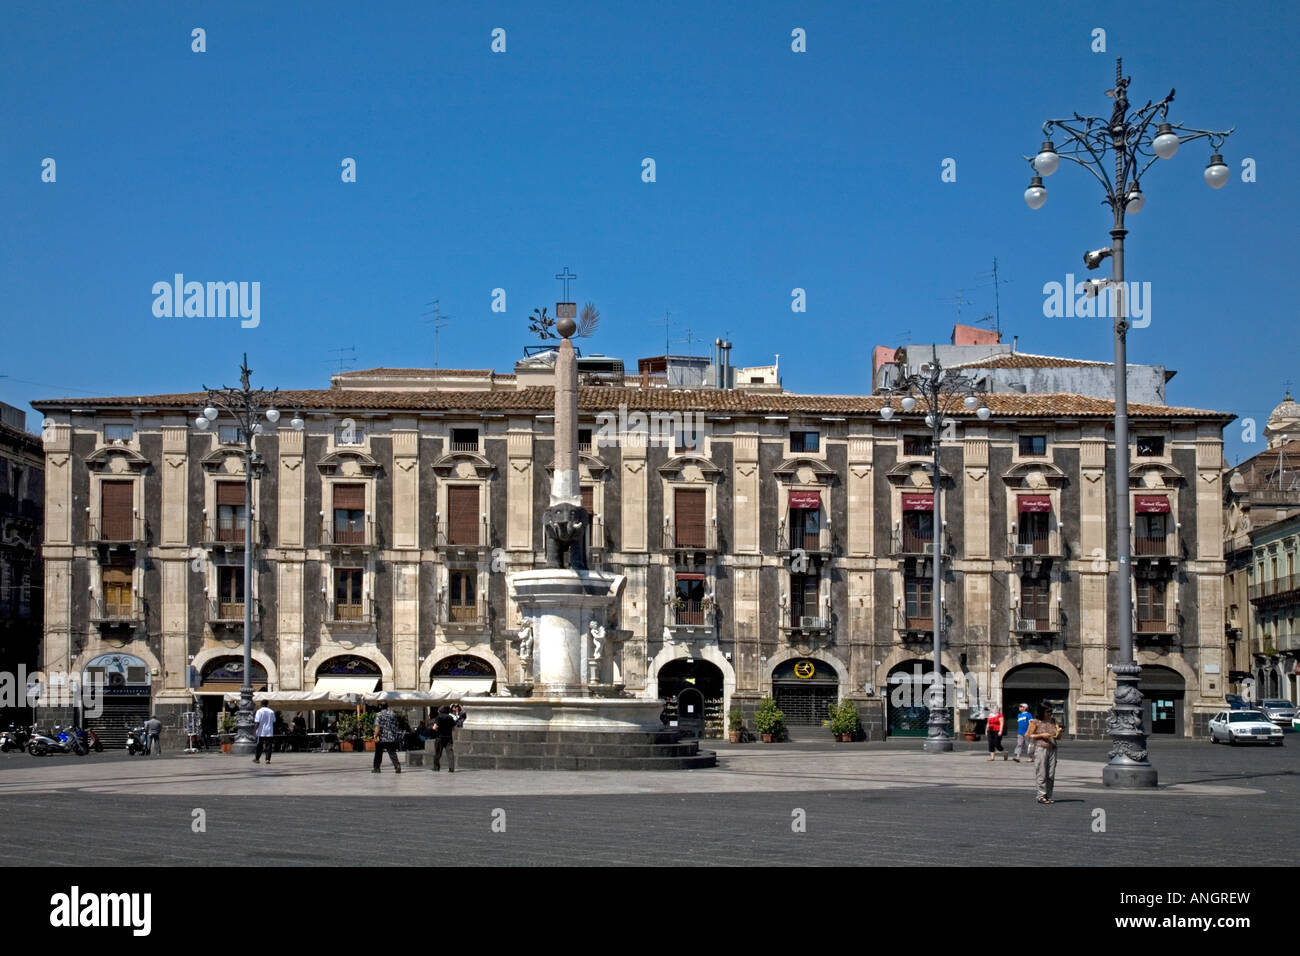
1244 726
1281 712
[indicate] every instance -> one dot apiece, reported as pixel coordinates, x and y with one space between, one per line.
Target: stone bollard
415 758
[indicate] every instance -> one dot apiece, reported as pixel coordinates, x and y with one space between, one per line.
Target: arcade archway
908 686
804 689
692 691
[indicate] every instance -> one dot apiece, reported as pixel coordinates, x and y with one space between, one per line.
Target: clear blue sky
476 170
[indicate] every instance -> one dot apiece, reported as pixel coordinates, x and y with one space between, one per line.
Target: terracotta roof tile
1028 360
610 398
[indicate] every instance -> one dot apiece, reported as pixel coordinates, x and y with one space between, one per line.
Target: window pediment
348 464
463 464
678 467
1154 474
806 470
1034 474
915 474
117 460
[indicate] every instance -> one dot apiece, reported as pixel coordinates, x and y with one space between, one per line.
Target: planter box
345 746
734 736
227 746
767 738
370 745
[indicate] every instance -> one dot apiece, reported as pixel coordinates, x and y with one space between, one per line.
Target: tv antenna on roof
996 315
690 337
439 322
959 300
345 361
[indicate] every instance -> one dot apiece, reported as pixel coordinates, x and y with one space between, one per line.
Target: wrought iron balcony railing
116 531
350 536
462 535
690 537
129 610
791 538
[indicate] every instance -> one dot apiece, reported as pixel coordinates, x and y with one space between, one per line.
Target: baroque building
772 543
22 494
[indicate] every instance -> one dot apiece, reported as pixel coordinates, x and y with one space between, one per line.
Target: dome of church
1284 420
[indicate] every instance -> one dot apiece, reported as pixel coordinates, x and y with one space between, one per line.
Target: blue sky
476 171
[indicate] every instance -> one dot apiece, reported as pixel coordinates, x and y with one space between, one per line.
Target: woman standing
994 728
1044 732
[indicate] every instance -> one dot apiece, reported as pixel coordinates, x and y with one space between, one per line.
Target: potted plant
971 733
226 732
844 721
366 730
735 724
347 732
679 603
769 721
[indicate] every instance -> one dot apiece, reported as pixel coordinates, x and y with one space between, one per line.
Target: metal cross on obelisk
566 278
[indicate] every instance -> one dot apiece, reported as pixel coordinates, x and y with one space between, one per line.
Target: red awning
690 577
1151 504
1034 503
805 500
917 502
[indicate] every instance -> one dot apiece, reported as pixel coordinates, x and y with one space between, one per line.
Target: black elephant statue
565 529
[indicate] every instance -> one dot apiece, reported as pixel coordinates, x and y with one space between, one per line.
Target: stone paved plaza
878 804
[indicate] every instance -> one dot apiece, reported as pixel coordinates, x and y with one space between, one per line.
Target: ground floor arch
804 688
1164 691
1035 684
693 691
908 686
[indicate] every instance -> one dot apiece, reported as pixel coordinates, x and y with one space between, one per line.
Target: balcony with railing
462 537
792 537
125 611
692 618
905 544
116 531
1031 543
1279 591
1036 624
795 621
464 446
1154 628
228 534
460 617
229 613
348 536
917 629
1154 548
693 537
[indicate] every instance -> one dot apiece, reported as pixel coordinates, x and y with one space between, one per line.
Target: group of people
1034 735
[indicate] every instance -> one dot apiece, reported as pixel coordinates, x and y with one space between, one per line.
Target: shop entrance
1035 684
804 689
127 697
692 693
909 686
1163 690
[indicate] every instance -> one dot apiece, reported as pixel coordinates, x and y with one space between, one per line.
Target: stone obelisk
565 486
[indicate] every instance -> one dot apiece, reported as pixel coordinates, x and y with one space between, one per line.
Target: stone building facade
22 494
772 543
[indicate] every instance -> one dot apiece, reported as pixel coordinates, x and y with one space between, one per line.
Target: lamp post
1094 142
246 405
941 391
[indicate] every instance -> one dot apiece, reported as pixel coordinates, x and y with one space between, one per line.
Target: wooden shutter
463 515
351 497
230 493
115 506
588 493
688 510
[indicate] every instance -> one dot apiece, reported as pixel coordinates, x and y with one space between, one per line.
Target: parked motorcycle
88 738
61 742
15 738
135 741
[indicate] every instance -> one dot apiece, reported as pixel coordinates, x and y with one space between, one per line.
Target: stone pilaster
406 488
635 493
746 623
861 495
289 621
290 487
519 485
1092 567
405 575
976 491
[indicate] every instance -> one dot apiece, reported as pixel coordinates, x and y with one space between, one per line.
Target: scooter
135 741
15 738
88 738
60 743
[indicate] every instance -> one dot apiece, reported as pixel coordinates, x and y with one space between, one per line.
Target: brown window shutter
588 493
115 510
463 515
689 517
352 497
230 493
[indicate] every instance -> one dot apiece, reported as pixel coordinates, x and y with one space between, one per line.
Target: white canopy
347 683
454 688
302 699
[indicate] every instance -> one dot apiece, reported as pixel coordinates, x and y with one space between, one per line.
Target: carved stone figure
526 640
597 641
565 527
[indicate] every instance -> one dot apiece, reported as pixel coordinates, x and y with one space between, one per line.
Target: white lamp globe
1047 160
970 401
1166 142
929 419
983 413
297 423
908 403
887 413
1036 194
1134 201
257 428
210 413
1216 174
272 415
201 423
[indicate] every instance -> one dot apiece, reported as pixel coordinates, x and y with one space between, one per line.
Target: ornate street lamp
1125 141
940 392
246 405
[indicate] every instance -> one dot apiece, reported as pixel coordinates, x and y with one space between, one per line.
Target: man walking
1022 728
264 723
444 727
152 735
386 731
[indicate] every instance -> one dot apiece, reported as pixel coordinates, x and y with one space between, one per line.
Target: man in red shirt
994 729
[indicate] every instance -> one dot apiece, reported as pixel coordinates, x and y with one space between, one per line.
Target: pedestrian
459 714
994 729
153 736
1044 731
386 731
264 722
443 727
1022 727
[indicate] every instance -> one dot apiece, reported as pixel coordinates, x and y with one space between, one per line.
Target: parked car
1244 726
1281 712
1236 702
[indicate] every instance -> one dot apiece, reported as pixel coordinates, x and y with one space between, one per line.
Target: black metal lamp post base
1129 776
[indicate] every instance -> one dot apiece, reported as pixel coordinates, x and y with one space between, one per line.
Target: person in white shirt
264 721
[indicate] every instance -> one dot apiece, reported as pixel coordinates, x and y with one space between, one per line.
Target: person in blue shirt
1022 728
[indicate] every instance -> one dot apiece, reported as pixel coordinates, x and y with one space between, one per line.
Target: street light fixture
1125 146
245 405
943 392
